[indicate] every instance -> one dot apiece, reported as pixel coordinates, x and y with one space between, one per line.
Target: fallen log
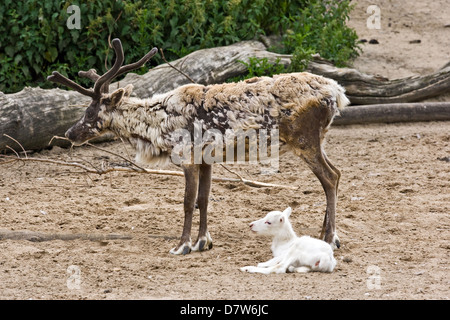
394 112
33 116
363 88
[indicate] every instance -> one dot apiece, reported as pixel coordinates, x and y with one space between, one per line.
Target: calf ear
287 211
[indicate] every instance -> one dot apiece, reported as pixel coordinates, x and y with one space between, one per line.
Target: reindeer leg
329 180
191 175
336 170
204 241
338 174
306 135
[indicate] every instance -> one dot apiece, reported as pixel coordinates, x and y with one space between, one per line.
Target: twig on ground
103 171
20 145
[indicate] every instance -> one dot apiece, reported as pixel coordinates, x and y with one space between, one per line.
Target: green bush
320 28
258 67
34 38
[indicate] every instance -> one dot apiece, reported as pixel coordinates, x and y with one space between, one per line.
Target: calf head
98 116
271 223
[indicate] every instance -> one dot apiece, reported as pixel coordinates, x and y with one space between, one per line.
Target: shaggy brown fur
257 103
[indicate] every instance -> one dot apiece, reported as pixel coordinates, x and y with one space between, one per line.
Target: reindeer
301 106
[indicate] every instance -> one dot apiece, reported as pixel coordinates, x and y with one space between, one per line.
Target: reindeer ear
128 90
116 97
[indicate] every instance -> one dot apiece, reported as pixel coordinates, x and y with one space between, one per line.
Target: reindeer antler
91 74
59 78
102 82
109 75
131 66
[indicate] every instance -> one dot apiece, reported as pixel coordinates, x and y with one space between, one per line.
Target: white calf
290 253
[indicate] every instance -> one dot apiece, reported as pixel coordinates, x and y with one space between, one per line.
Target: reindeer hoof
203 243
182 249
335 243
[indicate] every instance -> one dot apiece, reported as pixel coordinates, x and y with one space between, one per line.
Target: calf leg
264 267
191 176
301 269
270 263
275 265
204 241
253 269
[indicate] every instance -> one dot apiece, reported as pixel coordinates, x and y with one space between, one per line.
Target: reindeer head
97 117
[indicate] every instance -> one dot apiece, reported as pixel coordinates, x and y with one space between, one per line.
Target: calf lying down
290 253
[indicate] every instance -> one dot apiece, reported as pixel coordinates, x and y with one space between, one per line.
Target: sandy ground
403 24
393 209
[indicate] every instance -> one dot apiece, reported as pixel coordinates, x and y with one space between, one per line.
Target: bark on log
34 116
369 89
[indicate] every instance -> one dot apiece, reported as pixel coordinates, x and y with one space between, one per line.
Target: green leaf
125 30
75 34
26 71
10 51
51 54
17 59
32 32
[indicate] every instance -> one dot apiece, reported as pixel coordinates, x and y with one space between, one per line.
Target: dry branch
172 66
136 169
40 236
102 171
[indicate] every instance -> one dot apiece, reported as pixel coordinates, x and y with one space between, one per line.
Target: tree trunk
33 116
368 89
394 112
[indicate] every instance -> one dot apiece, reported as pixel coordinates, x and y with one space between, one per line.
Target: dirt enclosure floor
393 222
392 218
